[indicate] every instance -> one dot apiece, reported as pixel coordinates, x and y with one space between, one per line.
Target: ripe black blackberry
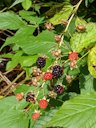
57 71
40 62
30 97
58 89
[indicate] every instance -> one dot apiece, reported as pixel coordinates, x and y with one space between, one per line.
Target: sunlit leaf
78 112
92 62
80 41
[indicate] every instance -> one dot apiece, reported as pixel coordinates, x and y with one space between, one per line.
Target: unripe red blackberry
48 76
43 103
35 115
30 97
19 96
57 71
40 62
73 56
58 89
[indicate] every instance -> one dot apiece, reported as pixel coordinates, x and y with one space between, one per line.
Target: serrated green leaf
10 20
80 41
21 88
7 55
28 71
74 72
31 17
35 45
26 31
92 62
26 4
86 81
63 14
78 112
80 21
31 44
15 60
14 119
7 103
27 61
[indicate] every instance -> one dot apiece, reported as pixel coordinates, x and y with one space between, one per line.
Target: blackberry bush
47 63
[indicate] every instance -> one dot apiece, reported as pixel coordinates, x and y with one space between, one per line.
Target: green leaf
8 55
74 72
21 88
10 20
92 62
26 31
31 16
63 14
31 44
25 89
28 71
80 21
86 81
13 119
15 60
78 112
80 41
49 62
27 61
7 103
26 4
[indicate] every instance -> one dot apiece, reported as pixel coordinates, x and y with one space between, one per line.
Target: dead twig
12 83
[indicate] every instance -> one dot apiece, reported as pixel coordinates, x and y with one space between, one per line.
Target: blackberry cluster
58 89
30 97
40 62
57 71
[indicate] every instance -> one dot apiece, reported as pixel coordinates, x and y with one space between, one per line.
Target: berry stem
71 17
74 12
84 56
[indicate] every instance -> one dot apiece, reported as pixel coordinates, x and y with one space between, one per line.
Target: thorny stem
74 12
84 55
70 19
13 82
